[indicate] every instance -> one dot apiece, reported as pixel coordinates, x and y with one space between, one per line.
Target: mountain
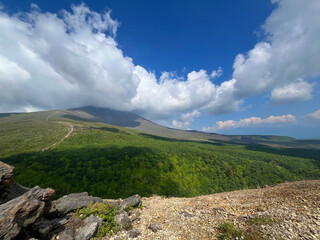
77 150
133 121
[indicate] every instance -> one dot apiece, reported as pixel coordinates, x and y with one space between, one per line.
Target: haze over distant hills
133 121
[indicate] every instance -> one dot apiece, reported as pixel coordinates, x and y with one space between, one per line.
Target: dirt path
65 137
51 116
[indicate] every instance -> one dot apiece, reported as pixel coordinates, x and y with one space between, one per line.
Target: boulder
67 234
133 201
23 211
113 203
123 220
42 227
71 202
6 180
89 228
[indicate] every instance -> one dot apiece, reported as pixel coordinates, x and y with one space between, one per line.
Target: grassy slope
132 121
114 162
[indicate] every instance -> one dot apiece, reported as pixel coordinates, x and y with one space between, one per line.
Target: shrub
106 212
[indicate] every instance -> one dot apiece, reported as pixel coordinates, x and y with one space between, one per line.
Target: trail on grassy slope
65 137
51 116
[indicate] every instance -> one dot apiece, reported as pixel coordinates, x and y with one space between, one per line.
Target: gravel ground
284 211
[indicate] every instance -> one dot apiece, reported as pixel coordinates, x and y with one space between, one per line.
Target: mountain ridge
136 122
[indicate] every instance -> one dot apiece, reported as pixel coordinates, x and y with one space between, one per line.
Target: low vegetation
228 231
104 211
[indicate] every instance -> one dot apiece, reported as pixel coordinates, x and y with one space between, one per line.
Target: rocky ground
284 211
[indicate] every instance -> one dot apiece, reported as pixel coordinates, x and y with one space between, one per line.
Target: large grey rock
71 202
113 203
22 211
89 228
133 201
6 180
66 235
123 220
42 227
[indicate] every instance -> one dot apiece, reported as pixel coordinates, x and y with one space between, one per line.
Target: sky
231 67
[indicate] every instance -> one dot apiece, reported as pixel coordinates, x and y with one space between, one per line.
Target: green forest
113 162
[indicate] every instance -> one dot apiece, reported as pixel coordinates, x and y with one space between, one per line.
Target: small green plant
261 221
253 231
130 208
228 231
106 212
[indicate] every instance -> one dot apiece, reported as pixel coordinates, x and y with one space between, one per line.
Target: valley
77 150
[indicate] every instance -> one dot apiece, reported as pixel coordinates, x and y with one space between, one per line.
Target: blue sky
161 59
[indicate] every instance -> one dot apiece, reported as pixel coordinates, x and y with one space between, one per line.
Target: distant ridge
133 121
147 127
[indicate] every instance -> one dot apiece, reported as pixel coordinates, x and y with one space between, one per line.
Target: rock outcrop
71 202
133 201
31 214
6 180
22 211
89 228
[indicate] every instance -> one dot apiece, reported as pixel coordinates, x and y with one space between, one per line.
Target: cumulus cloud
289 55
315 114
170 95
247 122
72 59
291 93
185 119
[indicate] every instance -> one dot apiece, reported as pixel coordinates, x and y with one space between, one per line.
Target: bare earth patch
284 211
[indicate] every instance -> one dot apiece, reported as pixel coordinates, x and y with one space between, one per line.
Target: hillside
132 121
59 149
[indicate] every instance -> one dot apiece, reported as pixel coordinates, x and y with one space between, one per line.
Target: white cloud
72 59
11 71
185 119
217 73
223 101
68 61
247 122
171 95
292 92
290 54
315 114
